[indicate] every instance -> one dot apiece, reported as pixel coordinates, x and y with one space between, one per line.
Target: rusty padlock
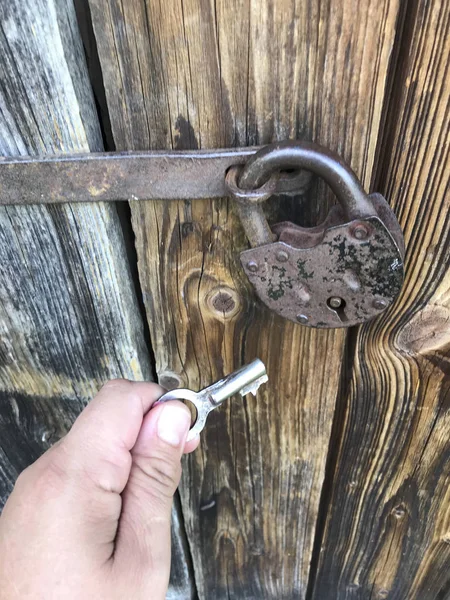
341 273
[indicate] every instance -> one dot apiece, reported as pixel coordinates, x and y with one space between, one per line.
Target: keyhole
337 305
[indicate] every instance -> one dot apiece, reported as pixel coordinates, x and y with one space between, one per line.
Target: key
243 381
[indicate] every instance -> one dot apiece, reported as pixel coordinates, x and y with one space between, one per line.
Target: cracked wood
68 313
388 527
69 317
193 73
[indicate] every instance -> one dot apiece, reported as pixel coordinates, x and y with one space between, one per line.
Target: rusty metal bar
113 176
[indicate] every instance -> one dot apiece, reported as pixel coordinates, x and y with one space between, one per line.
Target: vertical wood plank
388 530
68 312
195 73
69 316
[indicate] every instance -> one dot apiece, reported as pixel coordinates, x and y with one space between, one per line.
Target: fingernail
173 424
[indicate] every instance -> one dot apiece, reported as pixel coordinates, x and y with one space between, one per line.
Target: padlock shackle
319 160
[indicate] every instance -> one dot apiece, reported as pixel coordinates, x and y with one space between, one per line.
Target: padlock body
344 275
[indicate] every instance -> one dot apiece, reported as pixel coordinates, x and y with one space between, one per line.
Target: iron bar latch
341 273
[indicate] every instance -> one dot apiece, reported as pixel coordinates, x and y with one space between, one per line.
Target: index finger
101 438
117 411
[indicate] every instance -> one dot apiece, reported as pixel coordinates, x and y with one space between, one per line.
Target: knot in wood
169 380
224 302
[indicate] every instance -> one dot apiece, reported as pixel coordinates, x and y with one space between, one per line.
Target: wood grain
68 312
69 316
388 530
193 73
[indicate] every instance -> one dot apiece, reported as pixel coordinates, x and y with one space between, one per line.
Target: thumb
143 540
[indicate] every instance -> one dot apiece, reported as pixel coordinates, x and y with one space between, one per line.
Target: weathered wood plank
68 314
29 424
211 74
388 531
69 317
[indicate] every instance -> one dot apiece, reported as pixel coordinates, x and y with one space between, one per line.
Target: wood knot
169 380
187 228
428 330
399 511
223 302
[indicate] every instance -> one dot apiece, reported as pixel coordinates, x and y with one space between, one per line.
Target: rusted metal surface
252 183
311 157
247 203
341 273
335 280
116 176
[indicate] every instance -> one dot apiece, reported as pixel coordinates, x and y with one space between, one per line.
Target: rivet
252 266
360 232
379 304
335 302
303 319
282 256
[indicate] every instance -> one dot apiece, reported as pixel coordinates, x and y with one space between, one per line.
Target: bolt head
282 256
303 319
379 304
360 232
335 302
252 266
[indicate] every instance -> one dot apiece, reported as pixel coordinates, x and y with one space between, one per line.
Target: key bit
243 381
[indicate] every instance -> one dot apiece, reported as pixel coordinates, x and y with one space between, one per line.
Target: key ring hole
192 409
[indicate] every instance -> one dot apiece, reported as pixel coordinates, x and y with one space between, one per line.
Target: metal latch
340 273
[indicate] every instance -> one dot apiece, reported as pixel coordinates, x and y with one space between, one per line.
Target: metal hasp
341 273
121 176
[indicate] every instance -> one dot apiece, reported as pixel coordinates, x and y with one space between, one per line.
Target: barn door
333 483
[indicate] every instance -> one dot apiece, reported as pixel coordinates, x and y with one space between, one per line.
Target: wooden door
333 483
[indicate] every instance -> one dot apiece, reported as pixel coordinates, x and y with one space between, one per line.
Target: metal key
244 380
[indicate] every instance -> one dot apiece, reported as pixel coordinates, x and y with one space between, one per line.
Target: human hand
91 517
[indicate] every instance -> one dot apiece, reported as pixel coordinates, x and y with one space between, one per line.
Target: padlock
341 273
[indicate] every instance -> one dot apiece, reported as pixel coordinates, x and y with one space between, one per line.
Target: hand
91 517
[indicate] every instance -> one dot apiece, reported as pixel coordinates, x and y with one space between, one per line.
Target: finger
143 539
99 443
192 445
